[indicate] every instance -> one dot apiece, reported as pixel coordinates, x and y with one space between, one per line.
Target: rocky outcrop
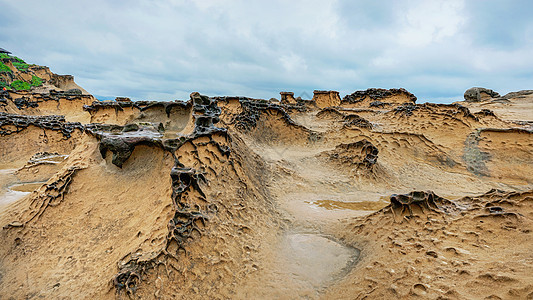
17 75
194 199
11 124
477 94
360 154
379 98
287 98
421 201
519 94
325 99
357 121
253 109
121 103
122 140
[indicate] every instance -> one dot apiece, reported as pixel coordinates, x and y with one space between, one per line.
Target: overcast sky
166 49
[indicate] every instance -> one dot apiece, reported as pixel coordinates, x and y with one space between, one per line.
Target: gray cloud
164 50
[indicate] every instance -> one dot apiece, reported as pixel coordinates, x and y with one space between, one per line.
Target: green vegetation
20 64
36 81
4 68
17 62
20 85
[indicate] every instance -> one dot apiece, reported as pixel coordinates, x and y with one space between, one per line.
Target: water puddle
312 208
316 259
17 191
11 196
360 205
26 187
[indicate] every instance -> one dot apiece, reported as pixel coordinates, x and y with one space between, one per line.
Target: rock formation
326 98
379 98
372 196
477 94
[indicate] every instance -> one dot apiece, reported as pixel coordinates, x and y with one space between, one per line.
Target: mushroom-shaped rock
477 94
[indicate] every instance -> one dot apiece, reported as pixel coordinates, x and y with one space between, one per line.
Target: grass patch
20 64
23 67
4 68
20 85
4 55
36 81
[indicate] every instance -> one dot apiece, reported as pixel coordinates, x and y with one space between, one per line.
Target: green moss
36 81
4 55
4 68
20 85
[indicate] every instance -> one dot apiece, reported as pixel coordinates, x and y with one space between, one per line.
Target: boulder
478 94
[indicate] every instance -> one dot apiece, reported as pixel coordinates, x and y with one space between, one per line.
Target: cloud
431 21
164 50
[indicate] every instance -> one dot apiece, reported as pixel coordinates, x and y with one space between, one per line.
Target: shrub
4 68
20 85
4 55
36 81
21 66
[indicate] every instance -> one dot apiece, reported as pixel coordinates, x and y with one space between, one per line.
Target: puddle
26 187
11 196
360 205
328 208
17 192
316 259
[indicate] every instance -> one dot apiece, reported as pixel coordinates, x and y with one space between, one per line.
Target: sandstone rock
379 98
326 98
287 98
477 94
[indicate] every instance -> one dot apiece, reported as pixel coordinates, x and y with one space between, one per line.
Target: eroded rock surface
234 197
12 124
477 94
375 97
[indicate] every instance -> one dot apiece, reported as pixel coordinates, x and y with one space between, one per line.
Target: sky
166 49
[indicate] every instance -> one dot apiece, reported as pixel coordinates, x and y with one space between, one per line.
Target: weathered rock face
360 154
325 99
12 124
357 121
206 113
193 199
122 140
477 94
379 98
287 98
519 94
421 201
17 75
174 115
